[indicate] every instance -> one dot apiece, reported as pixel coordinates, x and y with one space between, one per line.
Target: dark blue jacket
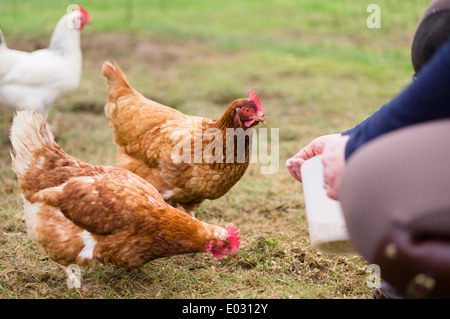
425 99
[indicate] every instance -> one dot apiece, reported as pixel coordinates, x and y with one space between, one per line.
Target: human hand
314 148
333 161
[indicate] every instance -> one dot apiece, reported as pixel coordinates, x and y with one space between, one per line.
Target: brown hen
151 136
80 213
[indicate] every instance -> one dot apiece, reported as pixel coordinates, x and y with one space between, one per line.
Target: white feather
167 194
31 218
28 135
89 245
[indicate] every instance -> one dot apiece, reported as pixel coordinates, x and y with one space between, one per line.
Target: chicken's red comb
85 16
255 99
83 11
233 235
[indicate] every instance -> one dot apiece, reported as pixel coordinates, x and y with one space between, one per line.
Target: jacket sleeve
425 99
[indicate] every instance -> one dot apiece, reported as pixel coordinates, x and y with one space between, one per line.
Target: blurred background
317 68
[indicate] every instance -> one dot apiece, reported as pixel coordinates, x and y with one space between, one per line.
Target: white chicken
35 80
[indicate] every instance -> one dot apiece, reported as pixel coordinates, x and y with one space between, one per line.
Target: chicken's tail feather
117 82
29 136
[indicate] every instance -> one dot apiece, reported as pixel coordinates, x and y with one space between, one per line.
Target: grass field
317 68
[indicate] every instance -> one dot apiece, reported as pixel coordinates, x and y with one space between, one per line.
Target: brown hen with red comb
151 137
81 213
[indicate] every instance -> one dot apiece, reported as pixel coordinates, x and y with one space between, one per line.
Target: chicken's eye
247 110
223 246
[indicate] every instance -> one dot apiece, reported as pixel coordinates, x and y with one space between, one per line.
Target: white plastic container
327 229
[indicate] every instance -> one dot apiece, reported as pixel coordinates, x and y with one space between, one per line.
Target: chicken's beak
261 119
235 256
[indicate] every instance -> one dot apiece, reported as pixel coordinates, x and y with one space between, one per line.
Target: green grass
317 69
